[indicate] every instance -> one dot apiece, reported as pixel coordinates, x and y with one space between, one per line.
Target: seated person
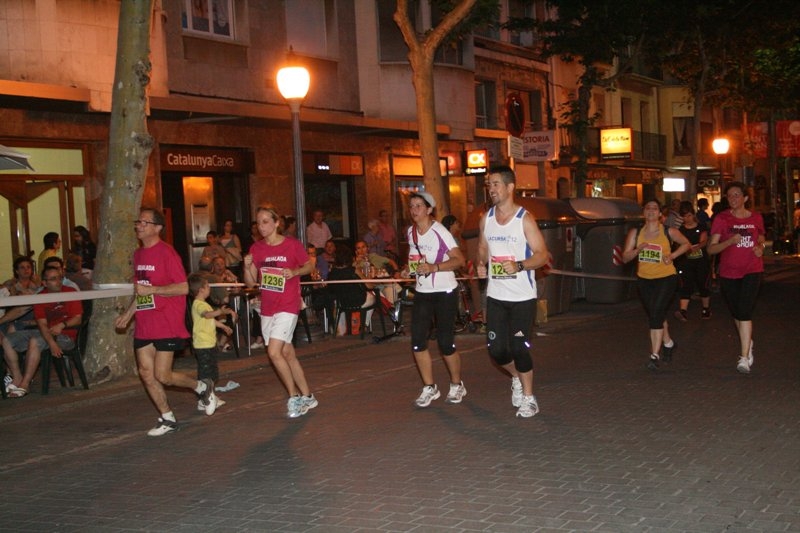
351 295
379 264
223 273
214 248
75 273
52 320
329 254
320 297
219 296
24 282
373 238
58 263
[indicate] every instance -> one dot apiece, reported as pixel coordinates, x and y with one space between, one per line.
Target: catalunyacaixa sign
188 158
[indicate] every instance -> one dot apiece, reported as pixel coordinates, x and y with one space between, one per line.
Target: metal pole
299 187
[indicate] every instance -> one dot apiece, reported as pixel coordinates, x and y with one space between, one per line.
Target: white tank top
507 242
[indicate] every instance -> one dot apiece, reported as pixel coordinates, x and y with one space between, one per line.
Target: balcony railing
647 147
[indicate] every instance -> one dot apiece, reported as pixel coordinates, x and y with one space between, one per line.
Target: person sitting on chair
53 320
349 295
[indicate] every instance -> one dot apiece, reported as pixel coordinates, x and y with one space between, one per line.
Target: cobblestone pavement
694 447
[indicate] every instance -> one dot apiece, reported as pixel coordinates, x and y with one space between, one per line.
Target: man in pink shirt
159 305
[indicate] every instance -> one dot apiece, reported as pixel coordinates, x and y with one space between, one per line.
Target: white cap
428 198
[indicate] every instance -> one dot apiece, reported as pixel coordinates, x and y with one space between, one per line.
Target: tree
110 353
421 53
597 34
736 54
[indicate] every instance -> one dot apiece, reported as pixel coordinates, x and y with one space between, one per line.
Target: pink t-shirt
159 317
736 261
278 295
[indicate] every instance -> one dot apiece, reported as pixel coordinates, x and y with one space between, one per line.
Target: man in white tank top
511 247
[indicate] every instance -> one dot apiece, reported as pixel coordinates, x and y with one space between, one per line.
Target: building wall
55 42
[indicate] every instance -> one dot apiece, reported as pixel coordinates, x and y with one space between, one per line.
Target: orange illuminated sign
616 143
477 161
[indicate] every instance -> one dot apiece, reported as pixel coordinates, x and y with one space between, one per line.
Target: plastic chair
70 358
349 310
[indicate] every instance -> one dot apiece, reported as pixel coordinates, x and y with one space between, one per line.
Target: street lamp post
720 145
293 84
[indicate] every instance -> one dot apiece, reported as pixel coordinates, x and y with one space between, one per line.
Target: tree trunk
110 353
420 55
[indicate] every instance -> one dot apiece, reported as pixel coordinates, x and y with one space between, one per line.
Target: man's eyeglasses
143 222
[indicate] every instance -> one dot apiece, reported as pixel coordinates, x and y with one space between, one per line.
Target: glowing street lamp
293 84
720 145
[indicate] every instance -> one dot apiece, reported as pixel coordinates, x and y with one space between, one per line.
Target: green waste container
601 240
558 223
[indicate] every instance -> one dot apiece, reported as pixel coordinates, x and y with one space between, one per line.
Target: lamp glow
721 146
293 82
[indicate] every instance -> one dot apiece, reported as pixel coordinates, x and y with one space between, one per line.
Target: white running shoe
457 393
743 367
201 407
296 407
163 427
309 401
528 408
516 392
208 397
429 393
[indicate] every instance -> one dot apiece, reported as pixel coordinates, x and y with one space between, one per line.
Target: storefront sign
616 143
477 161
191 159
538 146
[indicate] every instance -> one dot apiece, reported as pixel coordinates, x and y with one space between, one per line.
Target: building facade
223 142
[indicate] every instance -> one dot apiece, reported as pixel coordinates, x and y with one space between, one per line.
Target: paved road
696 447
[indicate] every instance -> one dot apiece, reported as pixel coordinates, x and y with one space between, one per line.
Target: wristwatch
520 266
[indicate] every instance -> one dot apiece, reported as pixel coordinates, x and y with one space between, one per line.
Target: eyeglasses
143 222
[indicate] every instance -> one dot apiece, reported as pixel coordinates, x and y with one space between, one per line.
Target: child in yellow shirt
204 329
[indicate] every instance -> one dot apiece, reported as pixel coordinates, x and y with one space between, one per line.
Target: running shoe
7 380
516 392
208 398
743 367
429 393
296 407
457 393
682 315
652 363
163 427
706 313
201 407
528 408
309 401
666 352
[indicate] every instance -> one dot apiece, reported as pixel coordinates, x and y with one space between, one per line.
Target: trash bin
557 222
601 240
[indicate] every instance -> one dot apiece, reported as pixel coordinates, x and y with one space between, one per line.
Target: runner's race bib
496 270
650 254
272 279
414 261
144 303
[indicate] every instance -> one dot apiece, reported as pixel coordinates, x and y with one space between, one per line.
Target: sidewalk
60 399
